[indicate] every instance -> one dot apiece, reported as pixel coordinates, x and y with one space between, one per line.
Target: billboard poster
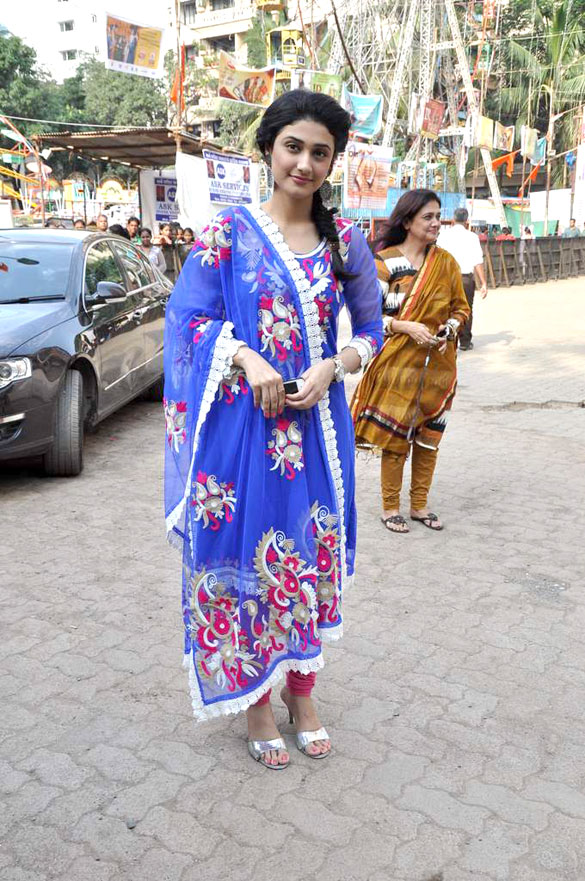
366 176
317 81
229 178
245 85
365 112
131 47
432 119
166 207
504 137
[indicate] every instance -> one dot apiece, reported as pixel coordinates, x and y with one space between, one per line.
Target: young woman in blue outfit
259 472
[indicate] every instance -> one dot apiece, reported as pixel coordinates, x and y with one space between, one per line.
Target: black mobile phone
291 386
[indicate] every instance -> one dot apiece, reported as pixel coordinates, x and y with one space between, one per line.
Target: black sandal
428 521
398 520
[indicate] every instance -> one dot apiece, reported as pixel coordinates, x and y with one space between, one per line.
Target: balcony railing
221 16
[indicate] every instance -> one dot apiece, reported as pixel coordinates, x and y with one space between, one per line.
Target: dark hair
119 230
461 215
393 231
290 108
144 229
188 229
130 219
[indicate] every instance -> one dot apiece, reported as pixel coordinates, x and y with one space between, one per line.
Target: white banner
132 48
228 178
579 200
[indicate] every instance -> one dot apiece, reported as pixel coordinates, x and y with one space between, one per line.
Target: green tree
113 98
25 90
547 75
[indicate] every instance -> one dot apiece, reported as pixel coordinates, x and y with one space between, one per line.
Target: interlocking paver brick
454 703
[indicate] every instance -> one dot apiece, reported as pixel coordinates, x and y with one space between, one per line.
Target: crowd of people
167 250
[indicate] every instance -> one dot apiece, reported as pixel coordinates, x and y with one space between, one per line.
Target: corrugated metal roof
139 147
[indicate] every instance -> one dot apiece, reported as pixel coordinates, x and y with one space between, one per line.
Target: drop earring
326 192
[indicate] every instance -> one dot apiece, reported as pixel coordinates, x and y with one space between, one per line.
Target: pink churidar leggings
296 683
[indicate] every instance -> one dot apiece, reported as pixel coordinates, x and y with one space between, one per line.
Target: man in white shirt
465 246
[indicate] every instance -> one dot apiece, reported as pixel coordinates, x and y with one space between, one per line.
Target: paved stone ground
455 702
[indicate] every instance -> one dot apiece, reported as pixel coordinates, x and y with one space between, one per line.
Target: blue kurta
262 509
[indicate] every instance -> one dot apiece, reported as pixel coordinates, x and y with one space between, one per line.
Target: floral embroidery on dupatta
286 449
212 621
214 243
176 421
213 501
288 585
327 537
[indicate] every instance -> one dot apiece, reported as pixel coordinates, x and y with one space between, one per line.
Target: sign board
243 84
131 47
367 176
228 178
166 208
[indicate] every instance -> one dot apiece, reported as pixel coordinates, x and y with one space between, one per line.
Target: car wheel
156 391
65 458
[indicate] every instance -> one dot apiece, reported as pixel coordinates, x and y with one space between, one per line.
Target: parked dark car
81 334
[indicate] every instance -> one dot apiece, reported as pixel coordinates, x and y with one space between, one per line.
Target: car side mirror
107 292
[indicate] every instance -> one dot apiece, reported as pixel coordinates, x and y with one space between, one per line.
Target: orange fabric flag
531 177
507 160
178 86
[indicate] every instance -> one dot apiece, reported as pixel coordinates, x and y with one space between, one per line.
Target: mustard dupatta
384 405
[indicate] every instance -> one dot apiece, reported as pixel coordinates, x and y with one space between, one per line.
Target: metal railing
526 261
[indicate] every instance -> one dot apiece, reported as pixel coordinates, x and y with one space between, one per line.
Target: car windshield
33 269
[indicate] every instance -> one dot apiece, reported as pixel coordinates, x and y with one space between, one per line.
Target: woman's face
146 239
187 236
426 223
165 230
302 155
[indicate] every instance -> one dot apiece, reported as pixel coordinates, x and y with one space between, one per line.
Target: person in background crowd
153 252
179 230
102 222
166 240
79 224
483 234
54 223
401 404
506 235
527 233
132 225
465 246
186 245
119 230
572 231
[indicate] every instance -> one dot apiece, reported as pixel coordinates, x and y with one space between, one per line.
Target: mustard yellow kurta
384 406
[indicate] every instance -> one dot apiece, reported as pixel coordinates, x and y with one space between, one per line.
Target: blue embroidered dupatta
262 509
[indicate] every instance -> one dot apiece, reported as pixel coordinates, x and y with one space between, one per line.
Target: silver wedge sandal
258 748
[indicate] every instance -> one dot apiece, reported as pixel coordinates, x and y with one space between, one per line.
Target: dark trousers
469 288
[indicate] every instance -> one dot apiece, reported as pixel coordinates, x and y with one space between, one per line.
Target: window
189 12
69 55
138 277
221 4
66 25
101 265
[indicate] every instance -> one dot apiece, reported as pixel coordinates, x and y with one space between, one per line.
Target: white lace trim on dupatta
227 707
221 363
315 341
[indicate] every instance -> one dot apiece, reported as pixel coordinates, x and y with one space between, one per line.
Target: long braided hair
302 104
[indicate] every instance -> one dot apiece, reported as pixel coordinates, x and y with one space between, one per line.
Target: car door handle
138 314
